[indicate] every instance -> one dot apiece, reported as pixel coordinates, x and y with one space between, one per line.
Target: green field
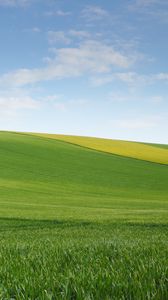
77 223
142 151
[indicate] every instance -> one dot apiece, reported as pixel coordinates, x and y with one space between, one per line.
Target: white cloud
91 57
157 99
63 13
52 98
36 29
127 77
70 104
161 15
14 3
156 9
137 123
133 96
66 37
33 29
161 76
130 78
79 33
94 13
58 36
144 3
9 105
119 97
59 13
134 78
99 81
60 106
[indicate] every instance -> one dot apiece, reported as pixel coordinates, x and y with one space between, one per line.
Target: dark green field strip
163 146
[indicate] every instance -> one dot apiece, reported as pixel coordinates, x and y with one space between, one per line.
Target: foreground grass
82 260
79 224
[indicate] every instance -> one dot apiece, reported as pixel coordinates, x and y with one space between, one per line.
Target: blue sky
94 68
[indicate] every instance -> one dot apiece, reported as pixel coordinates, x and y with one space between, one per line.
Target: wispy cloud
127 77
118 97
70 104
134 97
79 33
94 13
58 36
161 76
66 37
36 29
90 57
157 9
130 78
10 105
33 29
137 123
59 13
144 3
157 99
13 3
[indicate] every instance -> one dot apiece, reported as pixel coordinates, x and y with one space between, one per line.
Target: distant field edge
137 150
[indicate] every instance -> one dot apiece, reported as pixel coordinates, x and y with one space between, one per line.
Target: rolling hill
39 171
148 152
80 219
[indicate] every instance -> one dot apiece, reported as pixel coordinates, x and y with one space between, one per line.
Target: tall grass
59 260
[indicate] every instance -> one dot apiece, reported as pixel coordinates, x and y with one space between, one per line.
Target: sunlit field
77 223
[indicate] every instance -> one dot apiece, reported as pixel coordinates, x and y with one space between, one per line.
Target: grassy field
148 152
77 223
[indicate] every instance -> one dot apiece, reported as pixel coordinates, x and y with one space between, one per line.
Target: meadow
77 223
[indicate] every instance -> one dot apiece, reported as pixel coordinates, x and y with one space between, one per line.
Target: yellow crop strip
124 148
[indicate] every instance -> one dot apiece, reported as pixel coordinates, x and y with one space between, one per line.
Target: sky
92 68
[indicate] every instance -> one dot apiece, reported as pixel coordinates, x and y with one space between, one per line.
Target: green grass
142 151
80 224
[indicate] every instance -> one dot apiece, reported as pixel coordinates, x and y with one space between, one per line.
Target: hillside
77 223
67 180
148 152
